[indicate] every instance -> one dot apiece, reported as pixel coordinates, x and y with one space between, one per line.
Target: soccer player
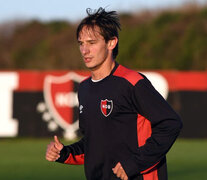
127 125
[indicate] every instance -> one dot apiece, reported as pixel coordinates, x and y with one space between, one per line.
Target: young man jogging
127 126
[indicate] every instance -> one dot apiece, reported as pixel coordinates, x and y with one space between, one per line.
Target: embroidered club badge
106 107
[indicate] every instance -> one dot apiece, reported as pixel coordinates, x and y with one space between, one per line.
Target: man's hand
53 150
119 171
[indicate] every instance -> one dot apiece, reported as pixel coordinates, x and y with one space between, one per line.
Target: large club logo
106 107
60 94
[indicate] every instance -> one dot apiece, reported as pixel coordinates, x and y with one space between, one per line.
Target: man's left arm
165 127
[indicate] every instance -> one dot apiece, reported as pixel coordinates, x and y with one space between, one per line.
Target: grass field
24 159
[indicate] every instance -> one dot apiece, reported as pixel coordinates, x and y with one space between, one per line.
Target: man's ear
112 43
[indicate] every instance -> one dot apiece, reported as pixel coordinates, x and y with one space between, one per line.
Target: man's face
93 48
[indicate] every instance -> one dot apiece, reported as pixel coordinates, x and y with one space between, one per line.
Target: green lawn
24 159
187 160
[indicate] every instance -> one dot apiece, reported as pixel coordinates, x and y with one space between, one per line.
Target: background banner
44 103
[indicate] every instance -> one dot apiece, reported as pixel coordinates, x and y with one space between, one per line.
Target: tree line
171 39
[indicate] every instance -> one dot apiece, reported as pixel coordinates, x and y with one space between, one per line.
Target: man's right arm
72 154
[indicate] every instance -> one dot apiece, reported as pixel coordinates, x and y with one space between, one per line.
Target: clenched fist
53 149
119 172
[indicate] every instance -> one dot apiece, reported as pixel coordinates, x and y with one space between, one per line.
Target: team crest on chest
106 107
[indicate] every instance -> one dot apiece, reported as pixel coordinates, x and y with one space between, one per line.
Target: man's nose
84 50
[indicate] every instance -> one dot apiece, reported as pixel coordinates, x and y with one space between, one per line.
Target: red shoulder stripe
132 76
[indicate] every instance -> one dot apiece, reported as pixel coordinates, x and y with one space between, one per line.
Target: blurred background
41 68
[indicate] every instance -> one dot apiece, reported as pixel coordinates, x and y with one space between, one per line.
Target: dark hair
108 23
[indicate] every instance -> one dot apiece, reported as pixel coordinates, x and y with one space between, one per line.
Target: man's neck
103 71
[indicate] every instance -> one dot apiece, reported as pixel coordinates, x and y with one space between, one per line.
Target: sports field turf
24 159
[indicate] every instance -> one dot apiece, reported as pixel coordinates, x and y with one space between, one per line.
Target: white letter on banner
8 125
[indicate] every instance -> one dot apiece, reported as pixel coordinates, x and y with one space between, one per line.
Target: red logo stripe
103 104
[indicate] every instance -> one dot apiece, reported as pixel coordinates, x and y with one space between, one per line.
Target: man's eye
80 43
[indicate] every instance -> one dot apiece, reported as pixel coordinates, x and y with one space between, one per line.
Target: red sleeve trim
151 169
153 175
75 160
144 131
132 76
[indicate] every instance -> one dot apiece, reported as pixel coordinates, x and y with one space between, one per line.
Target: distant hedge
169 40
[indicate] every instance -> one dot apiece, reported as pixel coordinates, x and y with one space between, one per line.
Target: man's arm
165 127
72 154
